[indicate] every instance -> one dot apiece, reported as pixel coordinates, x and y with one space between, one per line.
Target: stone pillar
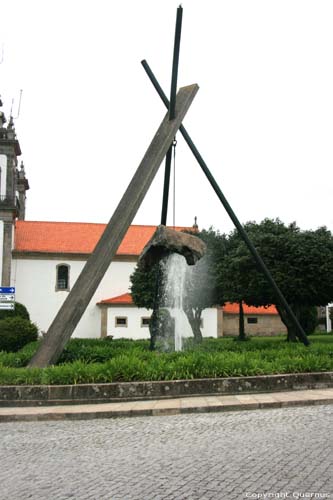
104 321
22 187
7 253
11 177
219 322
328 319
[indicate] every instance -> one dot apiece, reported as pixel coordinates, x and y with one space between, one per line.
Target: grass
102 361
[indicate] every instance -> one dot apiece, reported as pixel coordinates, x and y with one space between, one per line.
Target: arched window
62 280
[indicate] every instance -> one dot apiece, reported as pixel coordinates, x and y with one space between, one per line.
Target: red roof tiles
233 308
75 237
124 299
228 308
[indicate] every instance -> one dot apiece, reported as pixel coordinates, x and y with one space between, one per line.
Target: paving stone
195 456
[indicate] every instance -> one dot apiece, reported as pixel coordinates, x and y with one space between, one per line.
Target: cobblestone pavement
277 453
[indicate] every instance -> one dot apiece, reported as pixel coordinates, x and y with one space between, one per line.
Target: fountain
175 270
174 251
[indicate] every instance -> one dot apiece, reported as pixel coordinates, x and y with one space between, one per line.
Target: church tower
13 186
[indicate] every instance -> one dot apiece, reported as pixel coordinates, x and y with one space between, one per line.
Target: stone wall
261 324
32 395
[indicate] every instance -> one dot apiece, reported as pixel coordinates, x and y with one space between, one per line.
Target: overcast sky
262 119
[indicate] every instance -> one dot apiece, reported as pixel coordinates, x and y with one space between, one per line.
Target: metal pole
166 186
174 77
301 334
172 112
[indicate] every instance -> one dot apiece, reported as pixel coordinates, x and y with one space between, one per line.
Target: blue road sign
7 289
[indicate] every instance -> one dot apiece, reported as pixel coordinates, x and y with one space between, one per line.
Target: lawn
101 361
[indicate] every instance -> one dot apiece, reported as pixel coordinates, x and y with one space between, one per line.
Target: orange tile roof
75 237
124 299
233 308
228 308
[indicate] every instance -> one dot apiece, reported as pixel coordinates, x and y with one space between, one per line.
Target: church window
121 321
62 282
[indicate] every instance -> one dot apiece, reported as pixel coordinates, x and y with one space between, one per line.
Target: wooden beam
91 275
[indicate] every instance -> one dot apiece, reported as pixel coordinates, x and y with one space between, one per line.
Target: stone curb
203 404
25 395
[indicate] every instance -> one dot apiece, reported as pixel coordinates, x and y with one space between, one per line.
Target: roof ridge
92 223
59 222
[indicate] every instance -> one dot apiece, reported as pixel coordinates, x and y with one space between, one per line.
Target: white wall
135 331
328 319
209 317
35 281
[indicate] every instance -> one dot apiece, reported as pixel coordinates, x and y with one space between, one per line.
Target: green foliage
16 332
308 318
20 358
202 287
99 350
299 261
143 285
20 311
132 360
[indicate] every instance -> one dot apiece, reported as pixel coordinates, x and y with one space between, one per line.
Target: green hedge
15 333
100 350
131 360
19 310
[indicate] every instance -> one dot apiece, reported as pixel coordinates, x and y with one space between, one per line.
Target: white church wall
35 281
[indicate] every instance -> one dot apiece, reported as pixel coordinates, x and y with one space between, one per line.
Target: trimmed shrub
308 319
19 311
15 333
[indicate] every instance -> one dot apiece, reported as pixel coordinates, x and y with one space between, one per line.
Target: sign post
7 298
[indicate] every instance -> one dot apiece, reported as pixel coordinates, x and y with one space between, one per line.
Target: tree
299 261
145 289
201 288
232 276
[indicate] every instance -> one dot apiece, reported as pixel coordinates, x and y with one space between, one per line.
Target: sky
262 119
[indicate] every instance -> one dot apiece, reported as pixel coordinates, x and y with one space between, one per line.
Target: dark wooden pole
91 275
